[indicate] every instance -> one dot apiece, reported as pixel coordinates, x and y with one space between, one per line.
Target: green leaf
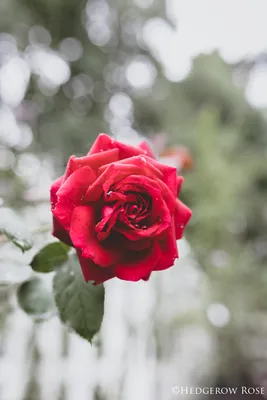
50 257
80 304
13 228
36 298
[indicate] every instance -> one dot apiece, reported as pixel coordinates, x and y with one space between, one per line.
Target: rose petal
107 211
94 161
167 195
169 250
53 190
60 233
126 170
71 193
107 222
146 167
159 214
146 148
181 217
137 209
146 278
140 268
132 233
169 174
157 227
140 184
96 189
149 185
114 173
58 230
139 180
83 236
104 142
138 245
118 241
111 197
92 272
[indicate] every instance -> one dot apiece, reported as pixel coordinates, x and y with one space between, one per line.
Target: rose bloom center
124 211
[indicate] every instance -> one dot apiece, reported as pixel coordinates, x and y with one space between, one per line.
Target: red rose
118 208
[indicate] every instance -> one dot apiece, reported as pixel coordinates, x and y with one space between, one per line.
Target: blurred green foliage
207 112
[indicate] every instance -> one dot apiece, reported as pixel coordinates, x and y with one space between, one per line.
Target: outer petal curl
104 142
139 269
182 215
83 236
71 194
92 272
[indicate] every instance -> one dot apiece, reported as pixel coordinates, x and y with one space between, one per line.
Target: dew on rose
143 160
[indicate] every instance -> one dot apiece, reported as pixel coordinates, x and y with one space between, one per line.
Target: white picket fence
144 347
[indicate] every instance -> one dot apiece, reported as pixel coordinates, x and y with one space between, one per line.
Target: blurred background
191 77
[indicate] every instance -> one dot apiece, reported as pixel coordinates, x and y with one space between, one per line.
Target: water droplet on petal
143 160
109 193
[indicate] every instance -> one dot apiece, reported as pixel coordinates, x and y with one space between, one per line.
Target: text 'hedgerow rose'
118 208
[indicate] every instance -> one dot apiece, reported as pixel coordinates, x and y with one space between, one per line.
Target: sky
236 28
